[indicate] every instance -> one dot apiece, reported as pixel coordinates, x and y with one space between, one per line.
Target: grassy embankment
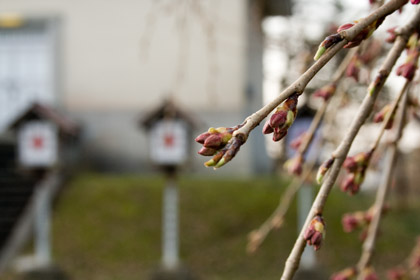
108 227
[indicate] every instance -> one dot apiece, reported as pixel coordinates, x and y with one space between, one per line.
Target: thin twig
275 220
300 84
341 152
256 237
370 241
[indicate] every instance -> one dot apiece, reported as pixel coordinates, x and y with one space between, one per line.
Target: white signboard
168 142
37 142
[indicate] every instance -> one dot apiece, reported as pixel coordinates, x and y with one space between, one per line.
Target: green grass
108 227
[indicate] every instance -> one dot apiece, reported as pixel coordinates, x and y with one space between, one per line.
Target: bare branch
369 244
293 260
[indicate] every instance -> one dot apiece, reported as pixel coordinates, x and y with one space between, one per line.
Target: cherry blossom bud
282 118
267 129
325 166
364 34
327 43
294 165
202 137
279 134
392 35
349 184
353 68
315 232
326 91
350 222
415 2
369 274
214 141
350 164
407 70
207 151
381 115
278 119
397 273
345 274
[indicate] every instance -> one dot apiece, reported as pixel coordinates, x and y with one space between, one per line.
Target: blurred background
93 186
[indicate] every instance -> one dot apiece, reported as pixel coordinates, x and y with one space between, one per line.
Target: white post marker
43 226
305 197
170 244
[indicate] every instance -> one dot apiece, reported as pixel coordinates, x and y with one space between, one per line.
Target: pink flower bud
392 35
207 151
202 137
213 141
381 115
353 68
415 2
267 129
407 70
397 273
345 26
278 119
350 164
326 91
315 232
349 184
279 134
350 222
369 274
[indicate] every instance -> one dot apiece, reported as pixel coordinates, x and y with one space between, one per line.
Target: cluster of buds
356 167
282 118
315 232
397 273
359 219
323 169
353 69
408 69
345 274
369 273
219 143
335 38
364 34
294 165
326 91
383 114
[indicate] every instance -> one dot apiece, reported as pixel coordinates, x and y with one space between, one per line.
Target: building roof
168 109
39 111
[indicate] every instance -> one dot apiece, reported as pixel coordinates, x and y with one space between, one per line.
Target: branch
293 260
224 153
369 244
256 237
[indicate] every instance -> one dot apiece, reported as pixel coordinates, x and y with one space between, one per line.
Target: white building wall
107 66
112 72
